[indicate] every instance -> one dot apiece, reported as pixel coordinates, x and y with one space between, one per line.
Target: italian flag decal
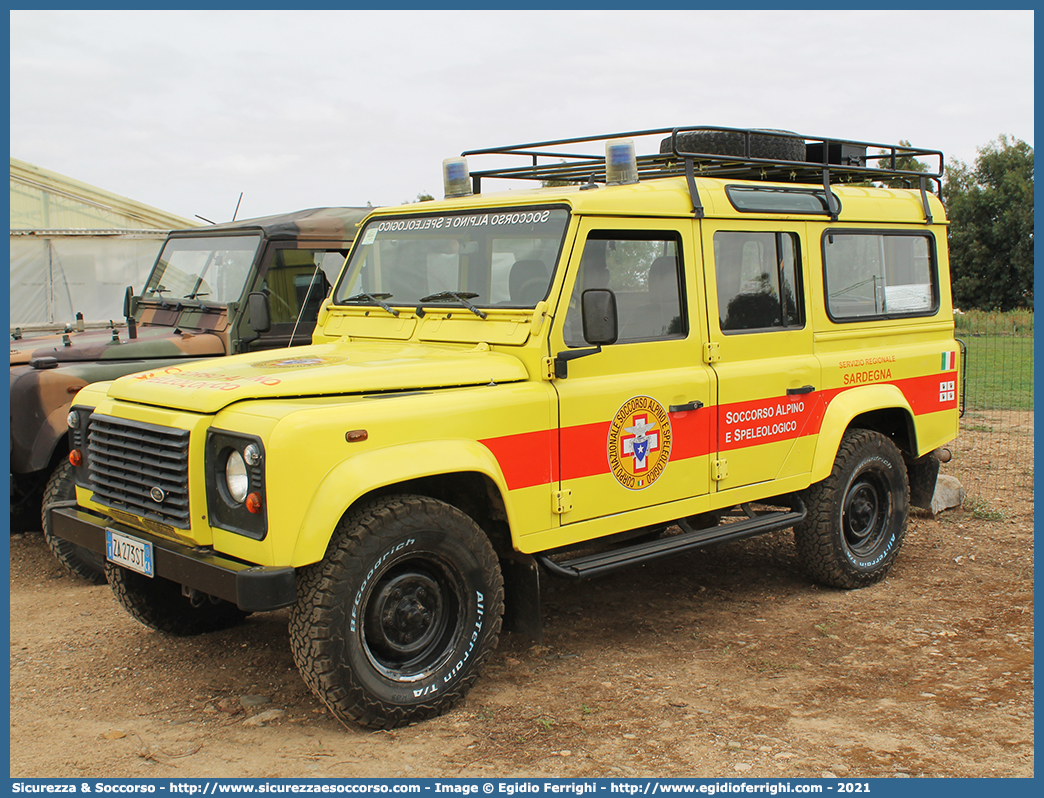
949 361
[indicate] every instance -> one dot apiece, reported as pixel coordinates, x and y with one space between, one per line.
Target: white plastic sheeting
56 275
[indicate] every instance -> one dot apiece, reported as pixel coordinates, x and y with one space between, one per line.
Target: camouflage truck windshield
211 268
492 257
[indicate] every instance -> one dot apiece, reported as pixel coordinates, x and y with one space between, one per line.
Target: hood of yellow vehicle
319 370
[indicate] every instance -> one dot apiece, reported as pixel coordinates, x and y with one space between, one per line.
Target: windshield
485 258
209 268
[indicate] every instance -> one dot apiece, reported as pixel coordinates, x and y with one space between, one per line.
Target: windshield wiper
460 296
376 299
160 291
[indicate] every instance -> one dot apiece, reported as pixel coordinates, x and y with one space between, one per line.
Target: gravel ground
720 663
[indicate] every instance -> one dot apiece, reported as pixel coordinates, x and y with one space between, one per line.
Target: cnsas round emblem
298 362
639 443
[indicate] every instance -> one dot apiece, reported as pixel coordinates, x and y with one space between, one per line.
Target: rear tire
76 559
394 624
857 516
159 604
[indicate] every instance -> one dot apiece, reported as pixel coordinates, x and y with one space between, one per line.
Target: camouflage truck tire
394 624
857 516
159 604
77 560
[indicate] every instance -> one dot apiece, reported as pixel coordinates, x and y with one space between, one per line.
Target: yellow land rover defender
738 332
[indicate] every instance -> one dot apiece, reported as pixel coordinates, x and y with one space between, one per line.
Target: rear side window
875 274
758 281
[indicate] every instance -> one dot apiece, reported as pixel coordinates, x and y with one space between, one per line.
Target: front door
634 426
761 350
296 279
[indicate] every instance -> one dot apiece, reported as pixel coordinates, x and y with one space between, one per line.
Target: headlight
236 478
235 474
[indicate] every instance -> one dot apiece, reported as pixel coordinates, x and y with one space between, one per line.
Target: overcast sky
184 110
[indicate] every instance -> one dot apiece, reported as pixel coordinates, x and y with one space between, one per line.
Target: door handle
696 404
799 391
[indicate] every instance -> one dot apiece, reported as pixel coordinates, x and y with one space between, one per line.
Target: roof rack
801 159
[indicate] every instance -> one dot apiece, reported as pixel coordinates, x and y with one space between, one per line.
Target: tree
421 197
990 208
903 163
554 182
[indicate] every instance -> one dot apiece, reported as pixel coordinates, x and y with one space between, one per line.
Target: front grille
129 462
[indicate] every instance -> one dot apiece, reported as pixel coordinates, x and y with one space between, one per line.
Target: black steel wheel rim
865 513
412 618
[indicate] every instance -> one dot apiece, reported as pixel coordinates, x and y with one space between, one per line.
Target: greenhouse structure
75 248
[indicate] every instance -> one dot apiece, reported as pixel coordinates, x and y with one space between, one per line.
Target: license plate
129 552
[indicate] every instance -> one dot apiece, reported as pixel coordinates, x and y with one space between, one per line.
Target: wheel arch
881 408
461 473
40 434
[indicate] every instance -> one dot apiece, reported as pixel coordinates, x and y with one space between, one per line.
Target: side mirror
257 305
128 302
598 310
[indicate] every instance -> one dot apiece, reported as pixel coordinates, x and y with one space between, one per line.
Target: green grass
982 322
980 508
999 363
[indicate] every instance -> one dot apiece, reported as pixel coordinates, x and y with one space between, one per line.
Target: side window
758 281
293 283
880 275
645 272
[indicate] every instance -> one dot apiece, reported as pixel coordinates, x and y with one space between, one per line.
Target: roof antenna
205 219
234 215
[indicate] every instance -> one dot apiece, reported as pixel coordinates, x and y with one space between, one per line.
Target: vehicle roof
335 224
670 197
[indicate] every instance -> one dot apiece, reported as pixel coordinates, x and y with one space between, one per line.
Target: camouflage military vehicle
236 287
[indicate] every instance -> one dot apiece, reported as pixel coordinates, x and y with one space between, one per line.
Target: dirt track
721 663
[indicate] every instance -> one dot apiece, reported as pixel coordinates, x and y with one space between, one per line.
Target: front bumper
253 588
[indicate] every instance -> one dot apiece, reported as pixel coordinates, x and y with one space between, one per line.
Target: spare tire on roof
730 142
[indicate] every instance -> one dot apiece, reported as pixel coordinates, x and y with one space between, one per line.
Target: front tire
76 559
394 624
857 516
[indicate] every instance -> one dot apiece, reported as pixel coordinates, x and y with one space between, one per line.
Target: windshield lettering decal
456 222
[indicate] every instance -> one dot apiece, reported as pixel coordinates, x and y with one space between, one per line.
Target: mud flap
923 474
522 597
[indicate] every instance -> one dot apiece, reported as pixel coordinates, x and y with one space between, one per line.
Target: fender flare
40 429
366 472
48 439
839 413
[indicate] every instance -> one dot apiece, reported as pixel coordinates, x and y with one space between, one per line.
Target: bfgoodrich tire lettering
393 625
857 516
77 560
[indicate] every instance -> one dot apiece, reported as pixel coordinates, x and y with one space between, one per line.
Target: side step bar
606 562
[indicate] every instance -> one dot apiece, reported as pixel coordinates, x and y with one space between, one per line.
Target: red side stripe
530 459
526 459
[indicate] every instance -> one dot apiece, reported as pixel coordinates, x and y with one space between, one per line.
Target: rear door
768 379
